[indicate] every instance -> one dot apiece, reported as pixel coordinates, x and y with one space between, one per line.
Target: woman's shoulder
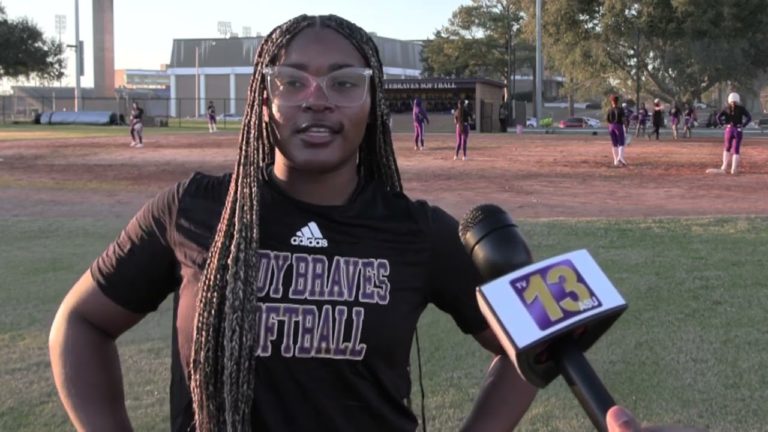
206 186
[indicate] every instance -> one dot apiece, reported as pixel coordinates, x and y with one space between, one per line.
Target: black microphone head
491 238
479 214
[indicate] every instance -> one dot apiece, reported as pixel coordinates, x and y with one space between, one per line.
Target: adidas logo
309 236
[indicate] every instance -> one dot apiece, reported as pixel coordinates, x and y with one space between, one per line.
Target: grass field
25 131
689 350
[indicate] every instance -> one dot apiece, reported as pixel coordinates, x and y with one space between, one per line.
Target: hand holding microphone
545 315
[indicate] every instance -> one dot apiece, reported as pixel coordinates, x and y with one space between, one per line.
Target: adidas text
308 241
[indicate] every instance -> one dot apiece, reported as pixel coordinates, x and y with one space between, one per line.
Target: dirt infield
531 175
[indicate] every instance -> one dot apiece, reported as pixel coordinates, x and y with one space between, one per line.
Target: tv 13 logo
554 293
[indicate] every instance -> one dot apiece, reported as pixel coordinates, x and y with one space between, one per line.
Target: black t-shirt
348 281
615 116
137 114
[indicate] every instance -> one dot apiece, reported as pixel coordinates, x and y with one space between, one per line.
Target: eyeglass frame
321 81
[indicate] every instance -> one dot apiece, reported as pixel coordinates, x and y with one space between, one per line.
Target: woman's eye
344 83
293 83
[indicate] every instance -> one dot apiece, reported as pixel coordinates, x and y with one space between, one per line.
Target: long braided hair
226 335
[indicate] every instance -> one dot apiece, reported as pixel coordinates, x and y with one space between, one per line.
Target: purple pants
418 133
733 136
137 131
616 131
462 136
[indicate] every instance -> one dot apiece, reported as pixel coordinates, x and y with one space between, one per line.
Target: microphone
546 314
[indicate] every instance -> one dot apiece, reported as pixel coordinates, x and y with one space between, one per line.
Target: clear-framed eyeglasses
291 87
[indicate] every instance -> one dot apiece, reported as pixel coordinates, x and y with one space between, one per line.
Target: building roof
241 51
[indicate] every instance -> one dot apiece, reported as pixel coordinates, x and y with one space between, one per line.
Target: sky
145 29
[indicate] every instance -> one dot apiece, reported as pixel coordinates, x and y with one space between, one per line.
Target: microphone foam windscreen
475 215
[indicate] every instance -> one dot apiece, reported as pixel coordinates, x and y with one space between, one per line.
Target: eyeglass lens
289 86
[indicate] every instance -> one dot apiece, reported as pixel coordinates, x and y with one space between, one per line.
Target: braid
226 335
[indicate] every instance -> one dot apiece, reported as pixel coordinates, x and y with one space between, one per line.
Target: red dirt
532 176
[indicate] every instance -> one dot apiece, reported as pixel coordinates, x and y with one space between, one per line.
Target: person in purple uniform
642 118
461 117
419 118
615 119
674 118
137 125
733 118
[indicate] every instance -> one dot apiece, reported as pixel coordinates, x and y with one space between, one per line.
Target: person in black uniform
657 118
298 279
211 114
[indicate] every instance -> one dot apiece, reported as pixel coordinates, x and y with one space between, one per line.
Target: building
219 70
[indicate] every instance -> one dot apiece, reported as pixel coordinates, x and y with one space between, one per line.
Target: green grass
28 131
690 349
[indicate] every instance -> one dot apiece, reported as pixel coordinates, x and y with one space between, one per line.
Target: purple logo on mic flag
555 293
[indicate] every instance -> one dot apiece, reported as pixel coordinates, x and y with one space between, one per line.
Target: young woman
615 120
298 279
137 125
733 118
419 118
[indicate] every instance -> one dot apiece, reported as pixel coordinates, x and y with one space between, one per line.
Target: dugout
440 96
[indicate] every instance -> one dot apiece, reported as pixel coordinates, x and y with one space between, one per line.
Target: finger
619 419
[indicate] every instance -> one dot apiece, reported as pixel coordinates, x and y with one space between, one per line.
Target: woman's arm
504 397
84 358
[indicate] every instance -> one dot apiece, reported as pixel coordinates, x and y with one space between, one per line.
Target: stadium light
246 31
61 27
224 28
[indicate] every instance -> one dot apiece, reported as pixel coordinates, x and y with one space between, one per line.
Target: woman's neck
330 188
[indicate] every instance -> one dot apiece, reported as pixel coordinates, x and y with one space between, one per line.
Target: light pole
78 56
197 81
539 62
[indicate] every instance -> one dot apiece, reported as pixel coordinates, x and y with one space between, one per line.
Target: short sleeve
453 278
139 269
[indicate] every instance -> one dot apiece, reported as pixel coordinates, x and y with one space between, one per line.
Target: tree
479 40
666 48
569 47
26 53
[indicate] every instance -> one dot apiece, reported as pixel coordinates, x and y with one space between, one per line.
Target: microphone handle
585 384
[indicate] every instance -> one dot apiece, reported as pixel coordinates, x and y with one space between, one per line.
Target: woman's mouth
319 133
